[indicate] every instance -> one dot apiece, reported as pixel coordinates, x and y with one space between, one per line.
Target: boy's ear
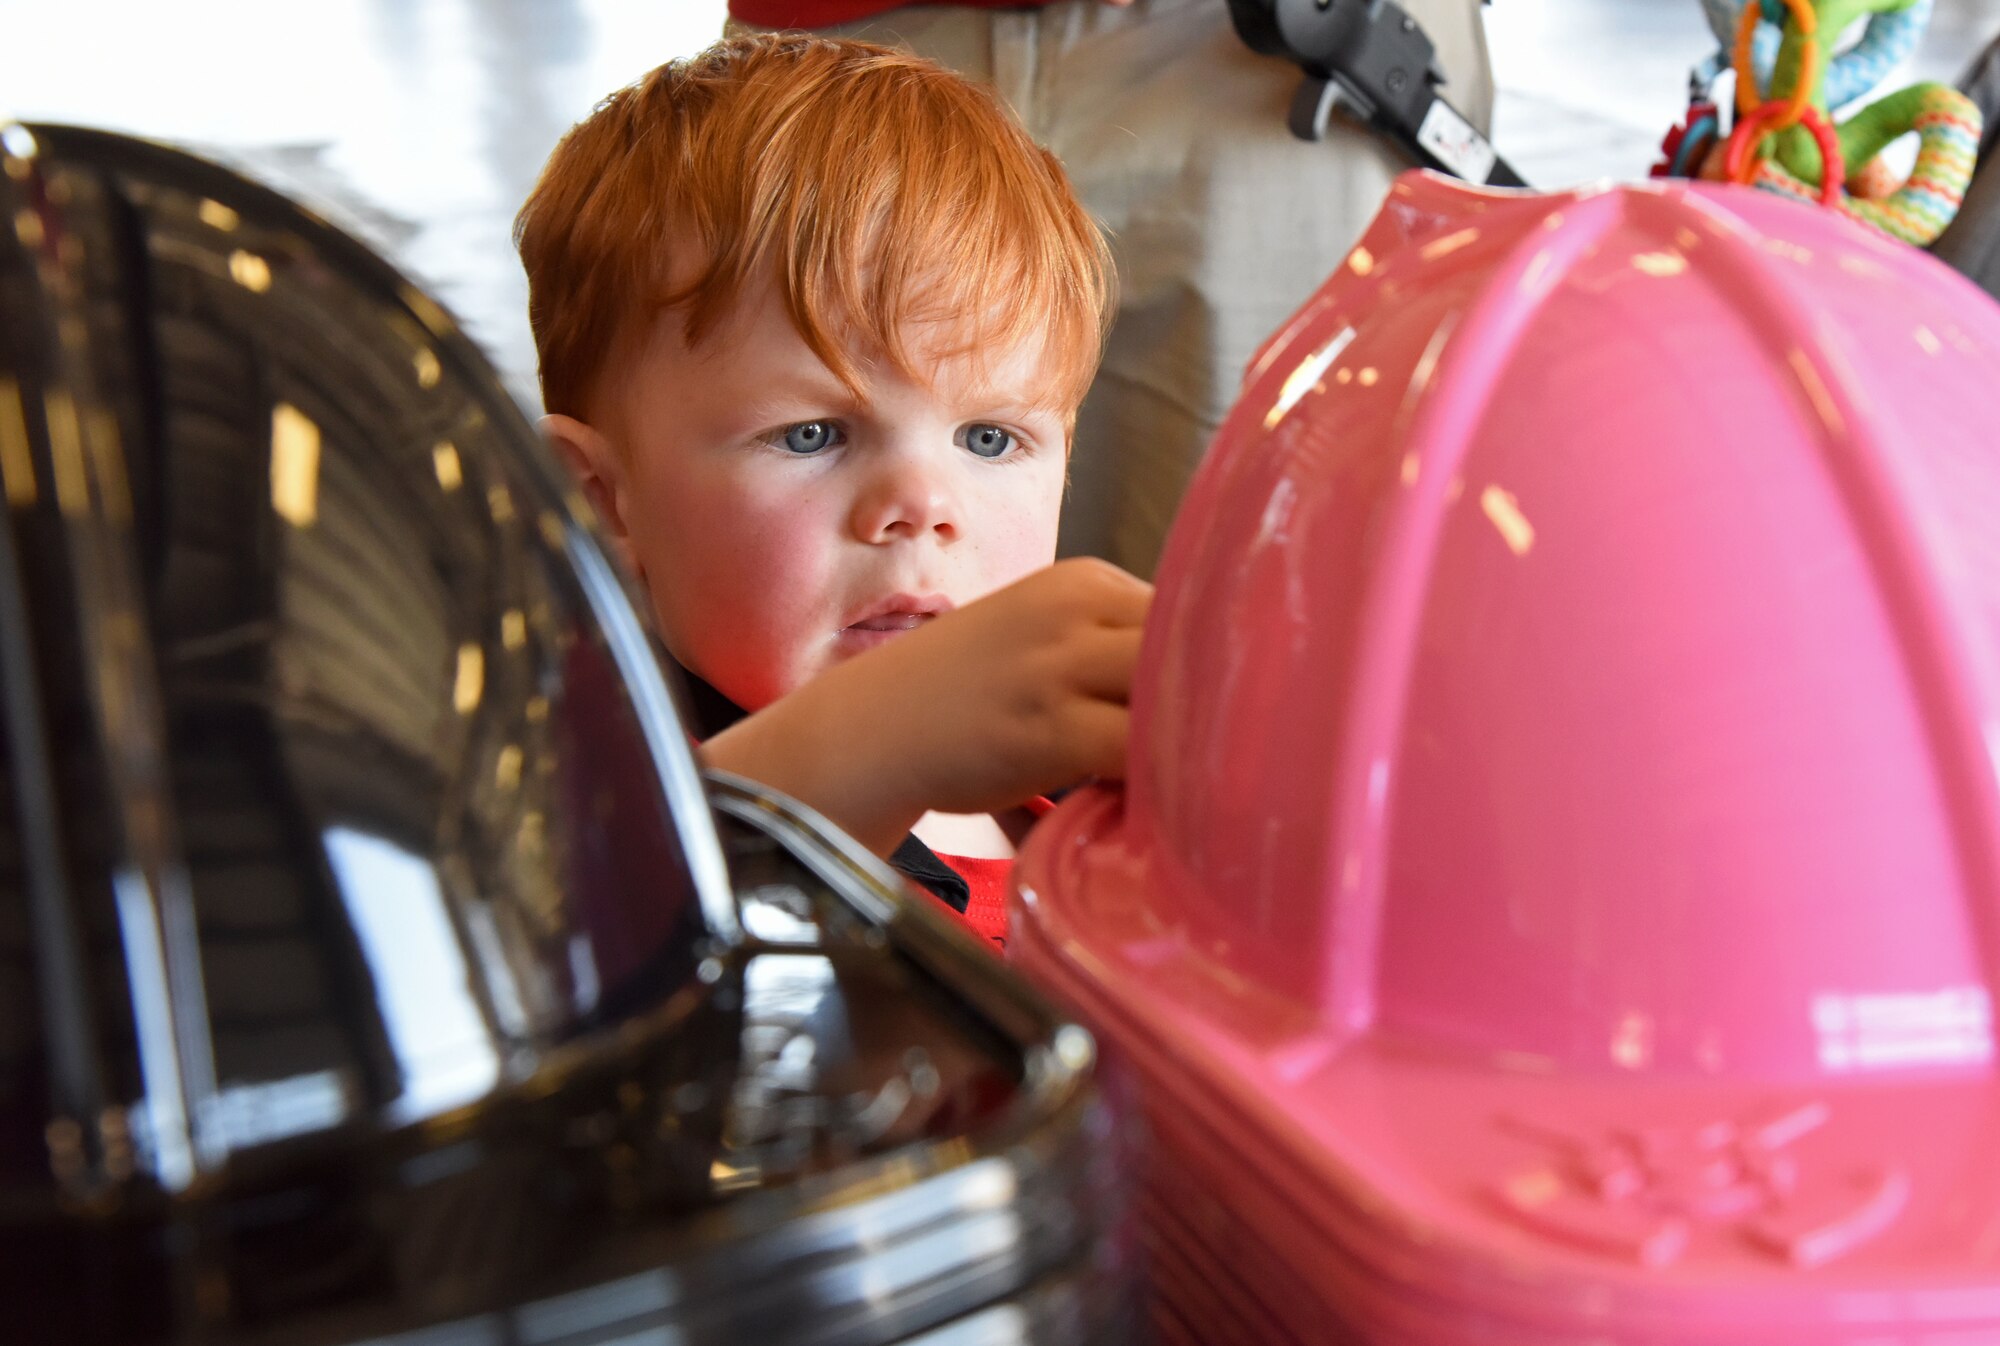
593 460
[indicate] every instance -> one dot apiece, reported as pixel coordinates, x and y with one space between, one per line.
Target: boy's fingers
1086 587
1127 604
1096 734
1120 597
1102 661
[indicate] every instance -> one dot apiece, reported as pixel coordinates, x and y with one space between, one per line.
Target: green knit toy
1947 125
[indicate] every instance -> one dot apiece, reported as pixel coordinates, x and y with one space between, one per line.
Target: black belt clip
1379 61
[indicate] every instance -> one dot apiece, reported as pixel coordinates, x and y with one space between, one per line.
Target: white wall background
420 123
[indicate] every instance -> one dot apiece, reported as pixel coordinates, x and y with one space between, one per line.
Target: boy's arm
1019 694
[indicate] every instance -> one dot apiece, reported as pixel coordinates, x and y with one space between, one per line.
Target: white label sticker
1453 140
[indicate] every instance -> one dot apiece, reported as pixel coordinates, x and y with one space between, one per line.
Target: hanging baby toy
1788 75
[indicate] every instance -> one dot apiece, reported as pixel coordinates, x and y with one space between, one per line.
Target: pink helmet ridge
1561 858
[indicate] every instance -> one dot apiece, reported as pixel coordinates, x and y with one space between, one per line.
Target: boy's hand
1018 694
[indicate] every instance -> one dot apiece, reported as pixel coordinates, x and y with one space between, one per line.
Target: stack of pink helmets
1557 895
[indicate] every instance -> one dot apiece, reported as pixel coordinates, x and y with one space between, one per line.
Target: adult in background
1221 222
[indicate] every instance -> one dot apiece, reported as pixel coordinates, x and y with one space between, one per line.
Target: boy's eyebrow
828 395
1002 402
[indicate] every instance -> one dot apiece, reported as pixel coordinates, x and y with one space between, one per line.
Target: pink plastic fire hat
1557 896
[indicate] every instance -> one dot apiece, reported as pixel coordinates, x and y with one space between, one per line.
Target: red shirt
986 885
986 882
821 13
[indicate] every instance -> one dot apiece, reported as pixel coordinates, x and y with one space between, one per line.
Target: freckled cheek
788 542
741 592
729 530
1019 536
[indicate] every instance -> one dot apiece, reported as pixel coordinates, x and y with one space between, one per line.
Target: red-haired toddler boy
814 318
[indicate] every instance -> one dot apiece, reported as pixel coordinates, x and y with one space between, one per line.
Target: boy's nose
905 500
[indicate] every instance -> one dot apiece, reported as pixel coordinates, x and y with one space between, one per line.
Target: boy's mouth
892 617
893 621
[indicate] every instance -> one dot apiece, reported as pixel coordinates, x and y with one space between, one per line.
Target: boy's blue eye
988 441
810 436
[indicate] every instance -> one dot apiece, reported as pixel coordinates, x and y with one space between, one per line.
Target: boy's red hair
877 190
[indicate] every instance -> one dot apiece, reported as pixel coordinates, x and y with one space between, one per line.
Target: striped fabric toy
1947 125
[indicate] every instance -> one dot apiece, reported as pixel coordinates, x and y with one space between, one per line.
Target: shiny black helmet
377 964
